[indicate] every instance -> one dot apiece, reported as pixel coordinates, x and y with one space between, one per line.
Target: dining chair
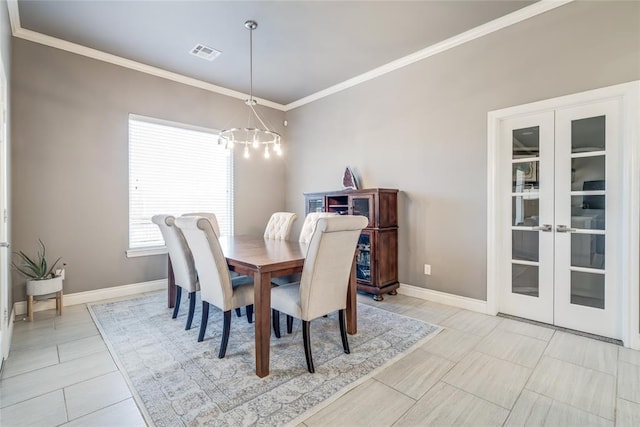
279 226
235 278
212 219
325 277
184 271
308 227
216 285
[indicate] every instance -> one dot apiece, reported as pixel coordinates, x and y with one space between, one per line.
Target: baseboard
20 307
444 298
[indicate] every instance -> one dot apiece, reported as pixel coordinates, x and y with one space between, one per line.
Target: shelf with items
363 258
377 252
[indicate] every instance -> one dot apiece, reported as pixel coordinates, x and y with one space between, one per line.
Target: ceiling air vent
205 52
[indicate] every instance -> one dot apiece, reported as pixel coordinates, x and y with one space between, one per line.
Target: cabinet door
365 260
362 205
314 204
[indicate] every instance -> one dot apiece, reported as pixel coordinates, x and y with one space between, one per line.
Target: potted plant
42 277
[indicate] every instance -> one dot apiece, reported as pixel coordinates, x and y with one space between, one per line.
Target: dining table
264 259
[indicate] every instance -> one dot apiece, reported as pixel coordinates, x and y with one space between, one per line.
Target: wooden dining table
264 259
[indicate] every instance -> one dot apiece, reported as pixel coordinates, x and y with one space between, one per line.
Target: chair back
184 270
279 226
309 225
327 266
213 272
212 219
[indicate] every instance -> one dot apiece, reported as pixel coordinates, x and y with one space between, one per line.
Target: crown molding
520 15
54 42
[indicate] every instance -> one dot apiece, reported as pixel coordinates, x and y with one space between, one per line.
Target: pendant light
256 135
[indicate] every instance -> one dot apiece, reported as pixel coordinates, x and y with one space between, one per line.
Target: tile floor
479 371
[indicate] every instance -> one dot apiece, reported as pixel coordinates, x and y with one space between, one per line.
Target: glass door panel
525 185
525 210
587 251
587 289
525 280
362 205
363 259
315 204
588 134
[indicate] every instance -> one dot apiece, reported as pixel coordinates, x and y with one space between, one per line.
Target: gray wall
423 129
5 48
70 161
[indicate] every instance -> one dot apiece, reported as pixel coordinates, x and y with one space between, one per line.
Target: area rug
179 381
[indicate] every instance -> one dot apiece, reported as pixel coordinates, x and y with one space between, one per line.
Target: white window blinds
175 169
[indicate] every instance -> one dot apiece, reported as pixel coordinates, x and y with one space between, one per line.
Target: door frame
6 309
628 94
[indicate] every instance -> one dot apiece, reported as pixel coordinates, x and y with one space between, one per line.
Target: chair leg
275 320
30 307
225 334
307 345
205 319
343 331
289 324
177 306
61 304
238 312
192 309
250 313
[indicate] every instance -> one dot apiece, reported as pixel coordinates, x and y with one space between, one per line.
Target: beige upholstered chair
236 278
308 227
212 219
216 286
325 278
279 226
184 270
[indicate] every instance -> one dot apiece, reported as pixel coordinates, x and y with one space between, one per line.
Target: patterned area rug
179 381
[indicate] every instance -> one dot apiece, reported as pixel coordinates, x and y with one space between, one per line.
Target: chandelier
256 134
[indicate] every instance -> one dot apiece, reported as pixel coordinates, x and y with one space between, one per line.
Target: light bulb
246 151
256 143
278 149
266 152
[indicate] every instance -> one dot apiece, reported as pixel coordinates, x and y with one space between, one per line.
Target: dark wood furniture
377 259
264 259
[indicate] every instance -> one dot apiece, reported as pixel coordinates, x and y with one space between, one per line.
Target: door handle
565 229
543 227
4 244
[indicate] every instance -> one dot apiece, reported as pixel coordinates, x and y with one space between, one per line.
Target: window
174 169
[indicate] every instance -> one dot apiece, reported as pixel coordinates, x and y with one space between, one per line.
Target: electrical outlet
427 269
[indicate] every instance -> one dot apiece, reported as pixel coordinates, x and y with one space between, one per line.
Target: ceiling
300 47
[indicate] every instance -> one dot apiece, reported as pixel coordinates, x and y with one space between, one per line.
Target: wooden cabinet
377 256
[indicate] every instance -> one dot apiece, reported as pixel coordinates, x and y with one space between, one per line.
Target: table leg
352 303
262 314
171 289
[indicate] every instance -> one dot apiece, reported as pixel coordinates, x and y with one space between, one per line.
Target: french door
561 198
